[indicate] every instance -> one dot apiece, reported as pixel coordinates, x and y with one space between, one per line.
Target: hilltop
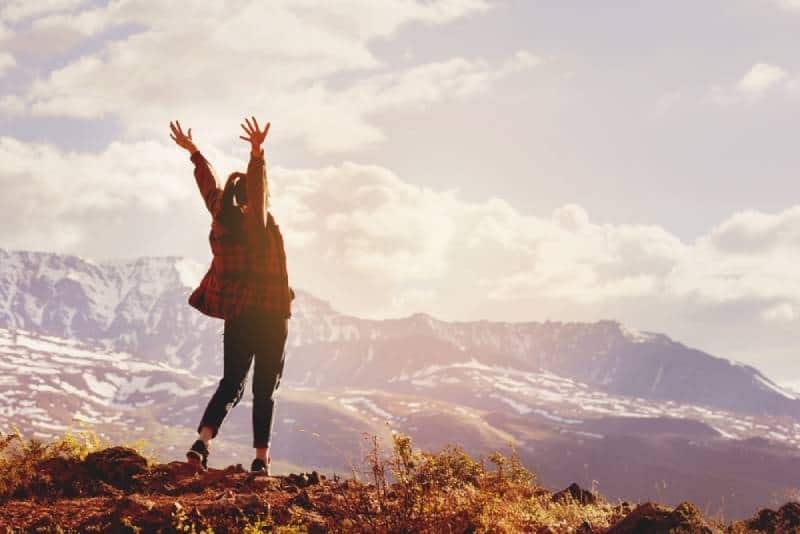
74 486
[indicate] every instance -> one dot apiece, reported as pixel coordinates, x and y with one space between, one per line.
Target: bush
448 491
19 457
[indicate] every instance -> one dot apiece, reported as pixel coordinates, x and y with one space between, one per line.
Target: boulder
786 519
116 466
649 518
575 493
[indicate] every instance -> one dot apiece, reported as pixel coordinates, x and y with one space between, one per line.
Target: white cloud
212 63
14 11
7 62
754 84
74 182
784 313
789 5
761 77
55 200
340 118
372 230
378 245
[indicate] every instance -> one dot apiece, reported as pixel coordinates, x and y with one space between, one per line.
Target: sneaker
258 466
197 455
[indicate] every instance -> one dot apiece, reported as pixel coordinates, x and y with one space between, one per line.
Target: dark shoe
258 466
198 454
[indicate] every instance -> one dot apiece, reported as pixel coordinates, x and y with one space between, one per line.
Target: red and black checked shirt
249 266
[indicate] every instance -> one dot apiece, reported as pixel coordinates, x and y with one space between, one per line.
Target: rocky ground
116 490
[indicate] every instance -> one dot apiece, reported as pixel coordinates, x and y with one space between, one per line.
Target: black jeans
250 335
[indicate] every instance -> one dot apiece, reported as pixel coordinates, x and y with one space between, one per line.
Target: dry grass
20 457
399 489
412 491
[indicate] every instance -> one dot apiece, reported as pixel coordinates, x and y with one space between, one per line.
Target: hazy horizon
467 159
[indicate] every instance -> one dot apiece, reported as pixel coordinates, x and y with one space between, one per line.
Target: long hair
236 189
234 199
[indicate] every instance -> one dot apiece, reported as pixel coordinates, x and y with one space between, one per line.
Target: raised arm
256 180
203 172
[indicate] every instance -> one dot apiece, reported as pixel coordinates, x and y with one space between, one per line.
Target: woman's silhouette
247 286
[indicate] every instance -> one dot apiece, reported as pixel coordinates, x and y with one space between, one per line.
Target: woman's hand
254 135
183 140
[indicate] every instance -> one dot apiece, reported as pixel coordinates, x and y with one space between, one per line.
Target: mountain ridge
118 347
139 306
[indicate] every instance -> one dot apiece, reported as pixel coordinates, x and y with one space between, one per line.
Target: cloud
65 182
212 62
373 230
784 313
346 112
53 199
15 11
378 245
788 5
761 79
7 62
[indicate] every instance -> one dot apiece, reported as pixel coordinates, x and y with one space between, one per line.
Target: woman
247 286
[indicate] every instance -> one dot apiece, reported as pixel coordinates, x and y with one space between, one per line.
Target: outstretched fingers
177 131
253 130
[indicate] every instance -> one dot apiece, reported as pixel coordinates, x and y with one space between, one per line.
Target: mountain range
114 346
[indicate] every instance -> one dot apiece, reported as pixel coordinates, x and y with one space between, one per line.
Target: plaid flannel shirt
249 266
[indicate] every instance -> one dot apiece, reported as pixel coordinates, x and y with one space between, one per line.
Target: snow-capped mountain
562 429
115 346
51 384
139 307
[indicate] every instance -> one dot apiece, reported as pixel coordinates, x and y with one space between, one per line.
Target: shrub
448 491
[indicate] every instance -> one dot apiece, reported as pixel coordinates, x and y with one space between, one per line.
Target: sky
471 159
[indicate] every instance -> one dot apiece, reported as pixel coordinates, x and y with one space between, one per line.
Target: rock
302 499
232 469
116 466
139 511
299 480
786 519
247 500
649 518
136 503
59 476
575 493
303 480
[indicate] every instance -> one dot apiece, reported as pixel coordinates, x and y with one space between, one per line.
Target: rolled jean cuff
214 428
